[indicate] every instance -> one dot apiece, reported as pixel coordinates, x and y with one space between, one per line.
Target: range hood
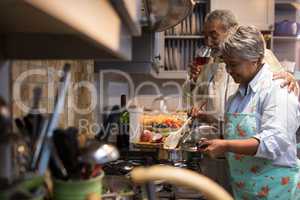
67 29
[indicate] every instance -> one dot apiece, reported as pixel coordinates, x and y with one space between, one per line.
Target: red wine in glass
200 60
202 55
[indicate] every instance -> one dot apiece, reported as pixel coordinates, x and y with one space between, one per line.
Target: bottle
123 136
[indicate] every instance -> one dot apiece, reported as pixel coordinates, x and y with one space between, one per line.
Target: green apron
257 178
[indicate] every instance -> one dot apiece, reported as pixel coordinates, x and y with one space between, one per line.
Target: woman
260 124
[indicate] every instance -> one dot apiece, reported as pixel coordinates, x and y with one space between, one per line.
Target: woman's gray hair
244 42
226 17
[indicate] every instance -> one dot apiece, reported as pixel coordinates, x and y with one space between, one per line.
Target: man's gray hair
244 42
226 17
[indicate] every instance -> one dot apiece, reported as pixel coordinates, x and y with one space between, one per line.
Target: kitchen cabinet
287 47
68 29
177 46
249 12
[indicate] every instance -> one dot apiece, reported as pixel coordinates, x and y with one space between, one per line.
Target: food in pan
157 127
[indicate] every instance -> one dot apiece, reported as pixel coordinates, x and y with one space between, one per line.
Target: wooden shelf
287 5
180 43
184 37
201 1
163 74
292 38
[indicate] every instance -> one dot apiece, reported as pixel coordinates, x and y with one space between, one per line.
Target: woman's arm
279 121
217 147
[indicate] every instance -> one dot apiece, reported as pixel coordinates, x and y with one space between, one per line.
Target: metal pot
178 155
186 151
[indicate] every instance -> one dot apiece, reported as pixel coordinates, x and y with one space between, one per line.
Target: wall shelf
178 44
287 47
184 37
162 74
292 38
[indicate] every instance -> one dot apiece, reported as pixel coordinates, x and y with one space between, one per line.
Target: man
210 86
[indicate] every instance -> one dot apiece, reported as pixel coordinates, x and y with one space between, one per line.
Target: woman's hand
290 81
214 148
217 147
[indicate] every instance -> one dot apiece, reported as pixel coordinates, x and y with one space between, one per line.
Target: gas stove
130 159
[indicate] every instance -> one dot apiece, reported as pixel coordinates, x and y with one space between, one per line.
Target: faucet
162 103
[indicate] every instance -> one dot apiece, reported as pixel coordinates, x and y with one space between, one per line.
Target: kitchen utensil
53 121
179 155
29 126
37 94
96 154
67 147
172 155
173 139
34 118
190 141
57 167
39 145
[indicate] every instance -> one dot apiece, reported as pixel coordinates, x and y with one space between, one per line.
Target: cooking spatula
173 139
